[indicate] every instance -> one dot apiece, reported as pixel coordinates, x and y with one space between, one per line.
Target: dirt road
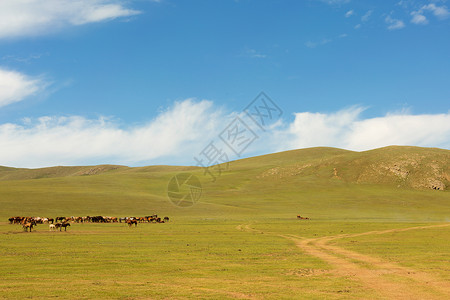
388 280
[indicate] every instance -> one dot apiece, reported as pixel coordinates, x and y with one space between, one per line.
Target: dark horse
64 225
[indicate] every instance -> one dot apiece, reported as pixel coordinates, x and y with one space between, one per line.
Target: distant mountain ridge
7 173
401 166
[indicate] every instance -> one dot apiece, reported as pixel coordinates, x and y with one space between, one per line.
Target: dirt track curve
388 280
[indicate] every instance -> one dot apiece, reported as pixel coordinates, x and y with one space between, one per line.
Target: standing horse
131 222
28 225
64 225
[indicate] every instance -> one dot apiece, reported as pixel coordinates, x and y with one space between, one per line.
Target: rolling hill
415 167
394 182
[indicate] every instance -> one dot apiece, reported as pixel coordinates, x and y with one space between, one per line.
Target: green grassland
234 242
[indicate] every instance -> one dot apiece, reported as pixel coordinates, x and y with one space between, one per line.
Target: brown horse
302 218
131 222
28 225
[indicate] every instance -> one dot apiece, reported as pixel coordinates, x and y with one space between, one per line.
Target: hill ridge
401 166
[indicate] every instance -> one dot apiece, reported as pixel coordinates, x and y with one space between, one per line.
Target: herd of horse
63 222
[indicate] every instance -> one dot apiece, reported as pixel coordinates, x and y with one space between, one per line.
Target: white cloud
345 129
349 13
418 18
311 44
34 17
394 24
335 2
15 86
180 131
366 16
252 53
438 11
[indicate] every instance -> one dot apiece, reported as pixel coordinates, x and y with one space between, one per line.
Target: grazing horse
64 225
302 218
58 225
50 220
51 227
131 222
166 219
60 219
28 225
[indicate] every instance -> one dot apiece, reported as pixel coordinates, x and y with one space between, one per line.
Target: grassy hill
414 167
387 183
21 174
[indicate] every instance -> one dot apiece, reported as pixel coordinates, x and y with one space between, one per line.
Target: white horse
51 227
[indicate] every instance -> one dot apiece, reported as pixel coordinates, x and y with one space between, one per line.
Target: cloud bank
50 141
345 129
179 133
34 17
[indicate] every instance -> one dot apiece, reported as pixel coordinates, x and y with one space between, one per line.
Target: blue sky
153 82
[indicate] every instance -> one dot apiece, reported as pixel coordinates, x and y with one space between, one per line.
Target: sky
142 82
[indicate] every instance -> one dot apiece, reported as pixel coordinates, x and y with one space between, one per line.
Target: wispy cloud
418 16
394 24
22 59
438 11
349 13
15 86
20 18
322 42
311 44
335 2
366 16
252 53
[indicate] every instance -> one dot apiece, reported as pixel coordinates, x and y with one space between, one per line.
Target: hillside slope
393 183
51 172
401 166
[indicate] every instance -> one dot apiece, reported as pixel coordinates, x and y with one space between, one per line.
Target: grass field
374 233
